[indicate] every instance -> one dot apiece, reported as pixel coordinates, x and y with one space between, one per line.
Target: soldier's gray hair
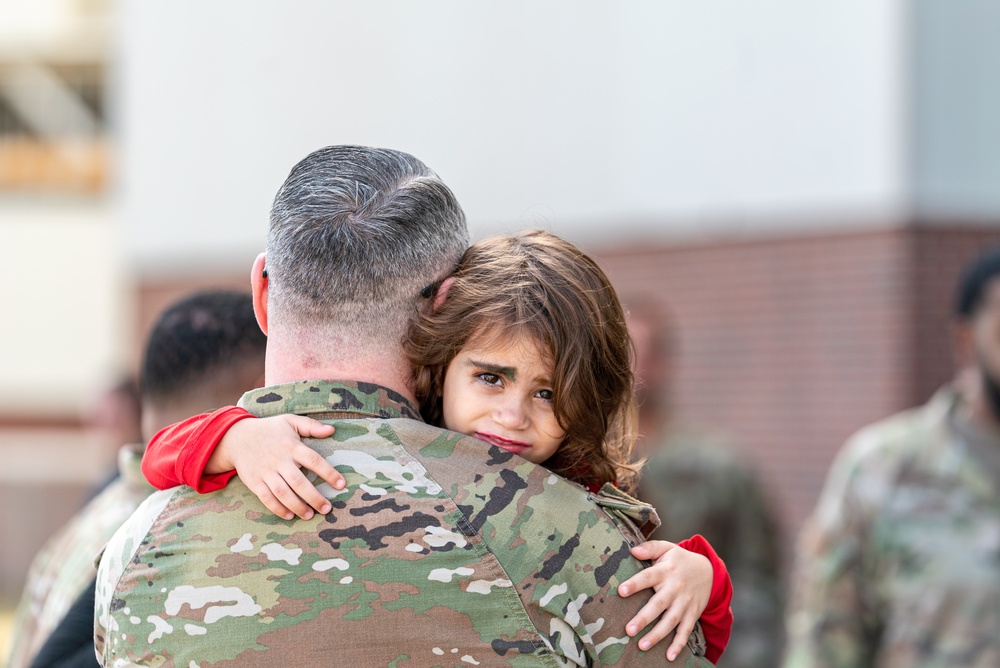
355 234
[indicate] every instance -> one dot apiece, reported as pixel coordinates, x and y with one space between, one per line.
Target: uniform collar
328 399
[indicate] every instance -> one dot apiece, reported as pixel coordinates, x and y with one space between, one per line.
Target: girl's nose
511 413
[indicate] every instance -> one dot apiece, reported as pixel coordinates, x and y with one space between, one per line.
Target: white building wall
956 108
601 121
64 305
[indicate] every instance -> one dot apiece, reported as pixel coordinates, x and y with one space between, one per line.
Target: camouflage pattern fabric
65 565
698 484
441 551
900 564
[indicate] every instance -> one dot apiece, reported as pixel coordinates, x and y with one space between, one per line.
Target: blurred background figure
204 352
115 416
898 566
698 484
115 419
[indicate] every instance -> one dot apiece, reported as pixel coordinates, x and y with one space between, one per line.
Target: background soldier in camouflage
900 564
441 550
202 352
698 484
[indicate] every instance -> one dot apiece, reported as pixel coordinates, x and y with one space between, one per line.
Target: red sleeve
717 619
177 454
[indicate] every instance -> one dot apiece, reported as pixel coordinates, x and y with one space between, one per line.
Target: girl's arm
207 450
691 583
178 453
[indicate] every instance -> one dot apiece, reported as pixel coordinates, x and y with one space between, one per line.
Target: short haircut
195 339
355 234
972 288
537 285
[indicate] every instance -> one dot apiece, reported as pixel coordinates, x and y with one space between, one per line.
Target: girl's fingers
662 629
276 483
312 460
684 629
305 490
309 428
640 621
652 549
270 502
644 579
667 599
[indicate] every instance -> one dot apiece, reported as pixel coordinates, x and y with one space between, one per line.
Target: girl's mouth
515 447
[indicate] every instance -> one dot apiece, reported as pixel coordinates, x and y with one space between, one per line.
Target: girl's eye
489 378
544 394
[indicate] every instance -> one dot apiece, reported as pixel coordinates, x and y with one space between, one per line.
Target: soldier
438 551
203 351
899 565
699 485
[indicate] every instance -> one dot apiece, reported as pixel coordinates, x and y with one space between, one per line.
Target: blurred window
53 130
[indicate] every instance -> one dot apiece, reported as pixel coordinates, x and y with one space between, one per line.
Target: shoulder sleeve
639 518
121 552
583 596
177 454
717 618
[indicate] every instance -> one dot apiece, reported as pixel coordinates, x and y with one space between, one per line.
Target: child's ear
442 292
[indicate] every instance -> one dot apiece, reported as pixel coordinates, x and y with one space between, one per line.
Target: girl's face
502 394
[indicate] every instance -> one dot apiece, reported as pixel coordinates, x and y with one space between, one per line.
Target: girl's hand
683 583
267 454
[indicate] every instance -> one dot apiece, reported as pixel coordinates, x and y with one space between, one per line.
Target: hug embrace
465 420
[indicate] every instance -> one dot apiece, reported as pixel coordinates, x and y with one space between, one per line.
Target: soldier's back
440 551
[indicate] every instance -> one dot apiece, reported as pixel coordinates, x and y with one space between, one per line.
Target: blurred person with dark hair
697 483
431 548
899 565
203 352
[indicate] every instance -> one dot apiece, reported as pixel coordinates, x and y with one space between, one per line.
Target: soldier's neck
287 362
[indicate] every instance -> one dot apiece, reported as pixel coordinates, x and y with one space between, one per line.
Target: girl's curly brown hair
537 285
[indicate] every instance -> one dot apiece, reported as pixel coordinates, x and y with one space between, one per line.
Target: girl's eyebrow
505 371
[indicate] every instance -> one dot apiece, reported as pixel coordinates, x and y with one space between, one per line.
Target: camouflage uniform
900 565
65 566
441 551
698 485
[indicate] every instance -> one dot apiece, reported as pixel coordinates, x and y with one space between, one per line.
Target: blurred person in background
113 420
899 565
204 351
698 484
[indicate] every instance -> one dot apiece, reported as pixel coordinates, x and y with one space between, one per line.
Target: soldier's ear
258 286
442 292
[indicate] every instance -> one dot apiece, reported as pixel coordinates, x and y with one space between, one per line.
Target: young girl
525 348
